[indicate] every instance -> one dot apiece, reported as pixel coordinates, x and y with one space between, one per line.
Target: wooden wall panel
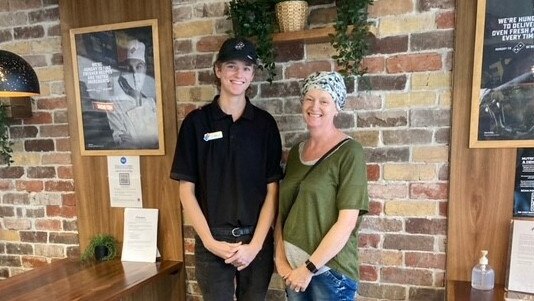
90 172
481 180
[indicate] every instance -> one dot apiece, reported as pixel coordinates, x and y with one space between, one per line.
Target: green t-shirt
338 182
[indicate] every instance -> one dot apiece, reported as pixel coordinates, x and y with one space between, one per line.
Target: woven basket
292 15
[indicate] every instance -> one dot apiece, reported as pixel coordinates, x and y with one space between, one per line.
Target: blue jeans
326 286
219 281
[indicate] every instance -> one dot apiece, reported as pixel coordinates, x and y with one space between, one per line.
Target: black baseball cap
238 49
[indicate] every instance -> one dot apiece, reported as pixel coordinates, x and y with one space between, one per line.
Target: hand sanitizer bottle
483 276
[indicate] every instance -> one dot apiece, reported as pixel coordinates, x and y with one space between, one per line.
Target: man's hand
243 257
223 249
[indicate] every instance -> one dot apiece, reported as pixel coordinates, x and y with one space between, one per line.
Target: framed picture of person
502 103
118 89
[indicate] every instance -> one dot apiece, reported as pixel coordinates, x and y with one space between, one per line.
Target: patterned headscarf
330 82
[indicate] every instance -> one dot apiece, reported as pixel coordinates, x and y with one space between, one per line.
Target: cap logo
239 46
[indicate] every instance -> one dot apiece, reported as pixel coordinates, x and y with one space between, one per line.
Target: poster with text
118 90
524 183
502 104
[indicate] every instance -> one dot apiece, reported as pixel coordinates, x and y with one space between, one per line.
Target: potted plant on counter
101 247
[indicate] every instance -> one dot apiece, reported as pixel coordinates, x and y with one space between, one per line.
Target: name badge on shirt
213 136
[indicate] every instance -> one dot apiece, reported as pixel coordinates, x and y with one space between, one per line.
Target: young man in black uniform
227 160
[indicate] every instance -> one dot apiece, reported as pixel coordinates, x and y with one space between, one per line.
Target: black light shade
17 77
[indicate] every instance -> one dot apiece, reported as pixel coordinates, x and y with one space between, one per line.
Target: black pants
219 281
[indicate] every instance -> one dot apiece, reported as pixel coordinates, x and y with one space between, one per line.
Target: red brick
368 273
291 51
429 191
373 172
388 45
376 64
68 199
445 20
29 186
183 109
408 242
59 186
368 240
375 207
28 32
419 277
6 185
382 82
210 43
33 261
39 145
19 132
62 211
63 238
425 260
48 224
432 226
64 172
185 78
39 172
63 145
52 103
13 172
302 70
414 63
33 236
39 118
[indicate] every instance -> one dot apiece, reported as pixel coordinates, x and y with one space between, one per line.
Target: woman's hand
299 279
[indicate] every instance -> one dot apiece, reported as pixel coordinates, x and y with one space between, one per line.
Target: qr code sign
124 179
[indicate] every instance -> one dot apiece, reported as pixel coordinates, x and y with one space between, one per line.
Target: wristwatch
311 267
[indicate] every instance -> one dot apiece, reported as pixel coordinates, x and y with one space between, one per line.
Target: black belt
235 232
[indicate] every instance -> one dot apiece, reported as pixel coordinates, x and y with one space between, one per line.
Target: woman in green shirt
316 229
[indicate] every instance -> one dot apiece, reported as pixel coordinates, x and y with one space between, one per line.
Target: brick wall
403 121
37 204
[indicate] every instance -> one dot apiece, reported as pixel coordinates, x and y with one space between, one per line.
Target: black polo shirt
230 162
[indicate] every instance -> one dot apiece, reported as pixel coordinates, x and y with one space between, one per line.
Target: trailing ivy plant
254 19
5 144
351 43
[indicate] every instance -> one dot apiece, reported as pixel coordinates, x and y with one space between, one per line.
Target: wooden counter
110 280
461 291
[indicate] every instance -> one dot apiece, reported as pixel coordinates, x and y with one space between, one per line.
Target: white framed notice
140 235
124 176
521 267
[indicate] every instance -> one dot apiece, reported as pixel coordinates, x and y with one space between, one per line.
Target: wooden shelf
68 279
314 35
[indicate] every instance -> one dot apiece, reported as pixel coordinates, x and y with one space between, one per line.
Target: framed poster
118 89
502 102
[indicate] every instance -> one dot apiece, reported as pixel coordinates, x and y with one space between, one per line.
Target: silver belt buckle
234 233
